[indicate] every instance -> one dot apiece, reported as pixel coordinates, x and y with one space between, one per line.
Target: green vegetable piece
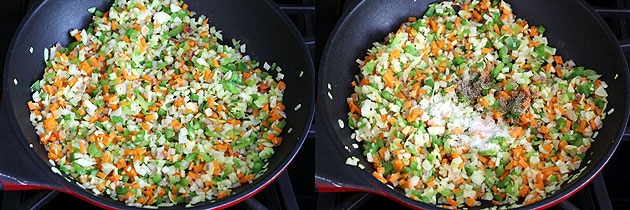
541 30
98 13
117 119
72 45
230 86
419 23
94 151
488 152
177 30
446 193
169 133
512 43
257 166
157 178
241 67
411 50
561 123
191 157
100 125
586 88
600 103
429 82
431 11
194 97
386 95
450 25
459 60
206 157
161 112
121 190
100 103
36 87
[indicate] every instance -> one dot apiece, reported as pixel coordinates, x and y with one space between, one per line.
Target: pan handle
18 171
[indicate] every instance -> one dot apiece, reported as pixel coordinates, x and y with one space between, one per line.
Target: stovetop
295 189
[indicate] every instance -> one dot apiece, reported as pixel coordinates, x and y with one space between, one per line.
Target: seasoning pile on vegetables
148 108
473 105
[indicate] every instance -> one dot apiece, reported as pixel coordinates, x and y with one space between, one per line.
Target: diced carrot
217 168
101 175
452 202
32 106
544 130
548 147
539 181
121 163
379 177
395 54
414 114
486 50
77 36
470 202
382 151
365 81
223 194
398 164
516 132
114 25
393 177
276 140
507 29
275 128
450 89
178 102
433 25
84 66
146 126
353 107
150 117
430 183
523 163
389 78
459 180
524 190
246 178
50 124
476 15
82 147
582 126
558 59
281 85
204 23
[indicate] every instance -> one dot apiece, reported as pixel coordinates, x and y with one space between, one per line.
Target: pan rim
104 201
553 199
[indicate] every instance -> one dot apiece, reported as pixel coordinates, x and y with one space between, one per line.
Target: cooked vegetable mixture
148 108
460 107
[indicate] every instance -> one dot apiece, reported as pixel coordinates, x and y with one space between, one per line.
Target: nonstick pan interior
268 33
572 27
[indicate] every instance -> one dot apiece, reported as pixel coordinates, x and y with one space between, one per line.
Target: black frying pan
572 27
268 33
